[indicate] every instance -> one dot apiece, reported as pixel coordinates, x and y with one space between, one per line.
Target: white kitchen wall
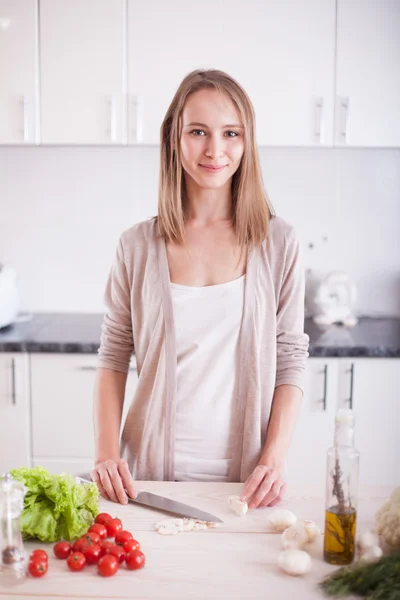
63 208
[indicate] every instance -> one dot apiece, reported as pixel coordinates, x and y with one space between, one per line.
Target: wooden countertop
236 561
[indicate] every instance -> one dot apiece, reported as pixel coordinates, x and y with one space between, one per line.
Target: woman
209 295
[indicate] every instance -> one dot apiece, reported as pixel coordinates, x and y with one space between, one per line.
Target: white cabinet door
281 52
18 72
371 386
62 410
15 439
368 73
81 71
314 432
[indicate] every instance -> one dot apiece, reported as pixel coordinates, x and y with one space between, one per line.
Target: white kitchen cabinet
62 399
371 387
315 428
281 52
368 73
19 93
15 438
82 71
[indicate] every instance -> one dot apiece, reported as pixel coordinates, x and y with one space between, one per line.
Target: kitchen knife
167 505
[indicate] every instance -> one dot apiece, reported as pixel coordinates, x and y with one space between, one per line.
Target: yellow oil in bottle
339 538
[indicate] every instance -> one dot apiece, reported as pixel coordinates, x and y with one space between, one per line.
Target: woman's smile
212 168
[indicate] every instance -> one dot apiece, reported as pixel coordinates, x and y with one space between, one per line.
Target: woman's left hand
265 487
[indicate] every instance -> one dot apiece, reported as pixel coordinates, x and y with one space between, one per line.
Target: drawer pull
350 399
13 394
325 372
319 133
94 368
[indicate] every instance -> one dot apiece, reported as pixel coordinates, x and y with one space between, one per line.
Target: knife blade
173 506
166 505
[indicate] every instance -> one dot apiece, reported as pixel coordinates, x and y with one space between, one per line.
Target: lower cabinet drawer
73 467
62 387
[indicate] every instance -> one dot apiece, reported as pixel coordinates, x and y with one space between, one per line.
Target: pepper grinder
12 552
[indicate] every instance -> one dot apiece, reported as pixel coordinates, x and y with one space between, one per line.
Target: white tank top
207 325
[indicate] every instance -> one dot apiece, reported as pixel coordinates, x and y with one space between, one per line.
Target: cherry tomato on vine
78 545
113 526
102 518
92 553
39 553
135 560
122 537
62 549
100 529
76 561
107 565
131 545
118 552
105 545
38 566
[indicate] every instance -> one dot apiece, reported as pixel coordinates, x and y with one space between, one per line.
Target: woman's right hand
114 480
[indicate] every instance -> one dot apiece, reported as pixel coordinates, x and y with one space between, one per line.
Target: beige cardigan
273 346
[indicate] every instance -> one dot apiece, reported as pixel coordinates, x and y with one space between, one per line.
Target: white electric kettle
9 296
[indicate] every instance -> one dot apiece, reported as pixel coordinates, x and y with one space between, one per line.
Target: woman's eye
231 134
196 132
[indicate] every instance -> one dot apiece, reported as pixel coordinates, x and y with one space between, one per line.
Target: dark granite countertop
54 332
371 337
80 333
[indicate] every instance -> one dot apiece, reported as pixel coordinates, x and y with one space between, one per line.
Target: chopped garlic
174 526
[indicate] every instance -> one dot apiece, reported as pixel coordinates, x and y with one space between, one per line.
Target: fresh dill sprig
373 581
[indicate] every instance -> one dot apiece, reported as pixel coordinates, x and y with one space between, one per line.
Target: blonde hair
251 209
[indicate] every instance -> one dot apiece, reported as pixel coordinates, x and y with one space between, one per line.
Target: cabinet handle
350 399
25 102
13 394
138 103
320 120
94 368
113 115
325 372
345 129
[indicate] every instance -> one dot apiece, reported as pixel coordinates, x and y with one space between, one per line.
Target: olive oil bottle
341 493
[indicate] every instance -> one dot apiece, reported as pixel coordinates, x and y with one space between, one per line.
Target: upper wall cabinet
282 53
82 71
319 72
368 73
18 72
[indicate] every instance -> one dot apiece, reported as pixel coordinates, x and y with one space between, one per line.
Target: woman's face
212 141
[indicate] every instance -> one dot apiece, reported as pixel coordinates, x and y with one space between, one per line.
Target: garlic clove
371 554
281 519
366 540
239 507
312 530
294 537
294 562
